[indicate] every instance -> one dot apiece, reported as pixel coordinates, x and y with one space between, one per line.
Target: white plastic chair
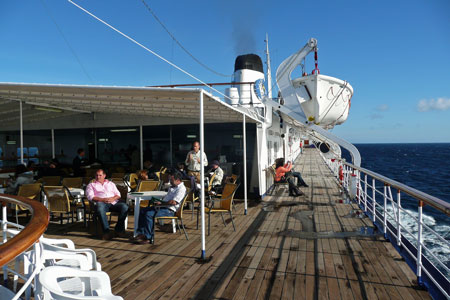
55 252
62 283
62 252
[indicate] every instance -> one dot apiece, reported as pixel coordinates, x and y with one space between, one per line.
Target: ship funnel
248 69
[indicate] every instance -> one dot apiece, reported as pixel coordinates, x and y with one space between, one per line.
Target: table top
147 194
76 191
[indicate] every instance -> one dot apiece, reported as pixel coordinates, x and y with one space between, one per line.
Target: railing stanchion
374 207
399 228
419 245
384 211
365 193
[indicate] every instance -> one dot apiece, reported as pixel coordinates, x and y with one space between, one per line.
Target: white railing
405 227
16 239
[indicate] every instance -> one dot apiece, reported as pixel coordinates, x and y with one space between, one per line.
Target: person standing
106 196
78 164
193 161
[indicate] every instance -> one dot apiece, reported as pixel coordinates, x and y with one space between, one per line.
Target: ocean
425 167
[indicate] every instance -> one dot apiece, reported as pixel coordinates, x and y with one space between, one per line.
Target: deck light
124 130
51 109
191 136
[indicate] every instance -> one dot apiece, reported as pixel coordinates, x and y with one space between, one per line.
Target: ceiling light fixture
124 130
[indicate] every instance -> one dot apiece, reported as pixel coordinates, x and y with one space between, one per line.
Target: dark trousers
120 207
300 180
147 217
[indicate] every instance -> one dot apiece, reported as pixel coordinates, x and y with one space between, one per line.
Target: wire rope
179 44
67 42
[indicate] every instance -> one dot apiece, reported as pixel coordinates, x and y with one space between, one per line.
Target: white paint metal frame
170 103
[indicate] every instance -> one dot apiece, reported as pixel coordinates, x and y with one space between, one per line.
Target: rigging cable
67 42
179 44
152 52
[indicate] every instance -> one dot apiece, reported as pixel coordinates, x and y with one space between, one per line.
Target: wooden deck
289 248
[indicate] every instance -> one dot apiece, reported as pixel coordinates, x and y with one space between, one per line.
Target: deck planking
284 248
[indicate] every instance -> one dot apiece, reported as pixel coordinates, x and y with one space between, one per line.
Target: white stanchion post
374 203
399 228
385 211
419 245
202 176
244 137
365 193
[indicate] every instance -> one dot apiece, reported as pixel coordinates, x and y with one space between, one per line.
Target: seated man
216 170
106 195
171 201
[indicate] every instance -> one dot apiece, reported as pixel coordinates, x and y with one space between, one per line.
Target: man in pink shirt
105 195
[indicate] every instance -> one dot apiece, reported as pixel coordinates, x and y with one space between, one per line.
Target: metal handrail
391 223
419 195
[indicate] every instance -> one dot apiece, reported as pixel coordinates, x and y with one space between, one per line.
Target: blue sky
395 54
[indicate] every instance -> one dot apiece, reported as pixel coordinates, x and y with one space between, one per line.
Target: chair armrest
63 243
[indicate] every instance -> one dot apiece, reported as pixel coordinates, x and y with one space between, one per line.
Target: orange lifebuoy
341 174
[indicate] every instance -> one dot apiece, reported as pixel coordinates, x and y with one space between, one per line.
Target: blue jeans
300 180
120 207
147 217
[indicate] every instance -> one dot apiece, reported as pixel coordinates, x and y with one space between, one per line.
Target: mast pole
269 70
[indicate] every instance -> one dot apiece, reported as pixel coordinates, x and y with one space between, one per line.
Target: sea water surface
425 167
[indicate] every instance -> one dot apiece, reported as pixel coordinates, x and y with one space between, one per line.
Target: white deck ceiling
98 106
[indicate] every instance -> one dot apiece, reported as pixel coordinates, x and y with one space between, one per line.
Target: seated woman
283 173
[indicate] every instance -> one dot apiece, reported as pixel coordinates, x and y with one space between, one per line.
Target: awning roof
138 101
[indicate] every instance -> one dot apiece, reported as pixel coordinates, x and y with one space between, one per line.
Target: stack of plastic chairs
64 272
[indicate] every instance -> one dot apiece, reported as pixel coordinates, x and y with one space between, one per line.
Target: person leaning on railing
106 197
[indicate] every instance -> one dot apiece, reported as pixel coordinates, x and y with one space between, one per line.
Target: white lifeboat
320 99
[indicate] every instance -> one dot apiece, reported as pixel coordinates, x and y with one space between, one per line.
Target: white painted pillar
21 133
202 176
53 143
141 147
244 140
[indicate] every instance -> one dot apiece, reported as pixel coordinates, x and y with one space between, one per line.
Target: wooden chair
191 197
232 179
31 191
50 180
132 181
179 214
73 182
58 201
271 170
145 186
118 175
222 204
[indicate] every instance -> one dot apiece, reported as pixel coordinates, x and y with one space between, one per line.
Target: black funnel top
249 62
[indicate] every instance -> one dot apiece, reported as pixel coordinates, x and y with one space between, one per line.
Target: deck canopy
74 106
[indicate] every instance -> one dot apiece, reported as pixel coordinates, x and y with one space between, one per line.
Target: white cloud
432 104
